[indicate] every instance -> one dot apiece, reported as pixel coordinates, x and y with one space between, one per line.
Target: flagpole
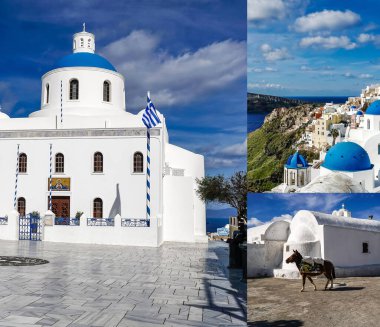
148 173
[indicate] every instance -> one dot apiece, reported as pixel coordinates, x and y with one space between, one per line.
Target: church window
59 163
368 124
21 205
74 89
47 94
89 43
82 43
98 208
138 162
98 162
22 163
378 149
365 247
106 91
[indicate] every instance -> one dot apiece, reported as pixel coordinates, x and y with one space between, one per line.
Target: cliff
270 146
260 103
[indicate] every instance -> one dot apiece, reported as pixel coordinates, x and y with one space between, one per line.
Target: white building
98 156
353 245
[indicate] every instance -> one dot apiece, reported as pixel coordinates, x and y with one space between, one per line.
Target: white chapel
80 161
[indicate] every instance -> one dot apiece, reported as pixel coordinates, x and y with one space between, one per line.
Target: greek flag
150 117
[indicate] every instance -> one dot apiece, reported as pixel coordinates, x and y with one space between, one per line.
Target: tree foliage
232 190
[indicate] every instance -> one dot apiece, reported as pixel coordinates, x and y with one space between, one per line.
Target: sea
254 121
212 224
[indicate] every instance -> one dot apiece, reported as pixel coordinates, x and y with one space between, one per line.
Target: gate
30 228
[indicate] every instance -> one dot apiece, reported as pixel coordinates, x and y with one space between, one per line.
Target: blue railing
100 222
4 220
66 221
134 222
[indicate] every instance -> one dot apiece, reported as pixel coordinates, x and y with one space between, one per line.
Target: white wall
178 209
343 246
90 89
113 235
85 185
193 165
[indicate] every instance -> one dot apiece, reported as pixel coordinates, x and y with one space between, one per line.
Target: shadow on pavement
276 323
339 289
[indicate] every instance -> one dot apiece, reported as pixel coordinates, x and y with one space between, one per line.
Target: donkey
327 269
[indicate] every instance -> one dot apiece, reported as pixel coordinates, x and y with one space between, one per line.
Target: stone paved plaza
177 284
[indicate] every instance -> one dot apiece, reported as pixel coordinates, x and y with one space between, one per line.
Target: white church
352 244
80 163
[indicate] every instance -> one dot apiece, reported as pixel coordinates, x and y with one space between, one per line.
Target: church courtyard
176 284
279 302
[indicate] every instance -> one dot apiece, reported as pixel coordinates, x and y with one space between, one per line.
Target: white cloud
238 149
253 86
271 54
259 10
263 70
326 20
174 79
329 42
365 76
252 222
364 38
282 217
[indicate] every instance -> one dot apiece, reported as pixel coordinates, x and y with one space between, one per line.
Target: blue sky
191 55
265 207
318 48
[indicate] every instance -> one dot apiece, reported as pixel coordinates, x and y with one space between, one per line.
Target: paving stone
92 285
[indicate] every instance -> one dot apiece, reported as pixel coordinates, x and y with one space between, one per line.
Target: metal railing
100 222
4 220
66 221
134 222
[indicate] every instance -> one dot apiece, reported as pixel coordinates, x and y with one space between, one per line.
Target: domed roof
359 113
84 59
296 161
347 156
3 115
374 108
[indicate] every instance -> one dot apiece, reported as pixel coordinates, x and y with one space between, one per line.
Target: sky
265 207
313 48
191 56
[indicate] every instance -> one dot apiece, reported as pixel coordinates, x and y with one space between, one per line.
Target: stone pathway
353 302
177 284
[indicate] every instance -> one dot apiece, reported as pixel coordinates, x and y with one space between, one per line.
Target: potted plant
78 214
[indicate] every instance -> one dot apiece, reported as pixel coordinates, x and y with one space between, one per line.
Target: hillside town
347 138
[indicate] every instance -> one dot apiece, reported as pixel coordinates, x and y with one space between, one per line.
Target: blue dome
296 161
347 156
374 108
359 113
84 59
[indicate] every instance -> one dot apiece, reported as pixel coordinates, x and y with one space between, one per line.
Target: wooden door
61 206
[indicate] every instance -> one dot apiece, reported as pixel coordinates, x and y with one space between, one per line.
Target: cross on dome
84 27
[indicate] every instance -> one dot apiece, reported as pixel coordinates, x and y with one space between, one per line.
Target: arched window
138 162
21 205
98 208
22 163
47 93
74 89
368 124
106 91
59 163
89 43
98 162
81 42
